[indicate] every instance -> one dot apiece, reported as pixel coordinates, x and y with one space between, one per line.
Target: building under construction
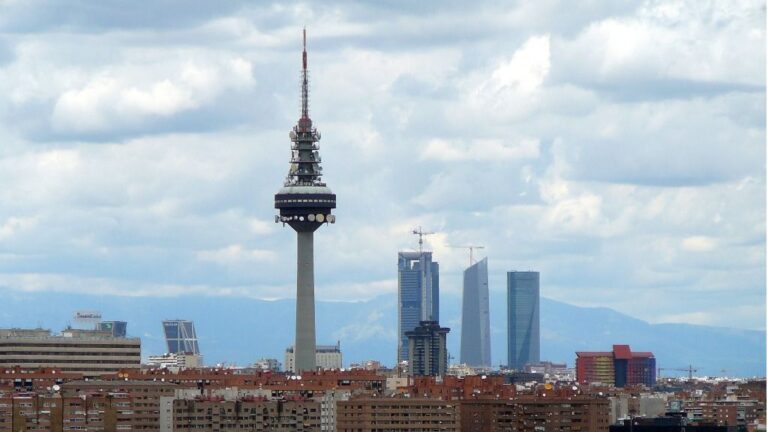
418 293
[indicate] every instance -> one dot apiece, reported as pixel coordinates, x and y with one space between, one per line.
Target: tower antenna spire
304 53
304 80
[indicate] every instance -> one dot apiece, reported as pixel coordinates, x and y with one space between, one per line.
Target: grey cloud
643 89
229 111
7 54
85 16
699 146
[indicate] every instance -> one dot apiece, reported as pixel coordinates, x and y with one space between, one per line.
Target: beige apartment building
89 352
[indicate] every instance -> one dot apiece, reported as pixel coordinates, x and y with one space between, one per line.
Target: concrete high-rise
418 295
180 336
475 319
522 318
305 203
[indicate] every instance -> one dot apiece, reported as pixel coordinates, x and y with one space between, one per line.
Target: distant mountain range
240 330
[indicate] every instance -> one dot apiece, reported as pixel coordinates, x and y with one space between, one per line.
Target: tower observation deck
304 203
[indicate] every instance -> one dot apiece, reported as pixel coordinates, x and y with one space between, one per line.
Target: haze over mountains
240 330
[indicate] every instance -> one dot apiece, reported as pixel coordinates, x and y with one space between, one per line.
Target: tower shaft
304 348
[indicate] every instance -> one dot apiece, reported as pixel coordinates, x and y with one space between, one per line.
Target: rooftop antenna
471 250
421 233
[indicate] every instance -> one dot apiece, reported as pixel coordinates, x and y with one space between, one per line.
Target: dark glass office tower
115 328
475 319
522 318
181 337
418 283
427 350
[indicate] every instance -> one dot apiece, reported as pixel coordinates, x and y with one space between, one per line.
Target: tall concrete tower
305 203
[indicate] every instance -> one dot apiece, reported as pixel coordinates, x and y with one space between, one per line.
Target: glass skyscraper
475 319
181 337
418 295
522 318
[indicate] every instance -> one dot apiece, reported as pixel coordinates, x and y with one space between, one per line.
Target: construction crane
421 233
471 250
690 369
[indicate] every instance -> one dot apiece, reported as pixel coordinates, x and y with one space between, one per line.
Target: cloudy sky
616 146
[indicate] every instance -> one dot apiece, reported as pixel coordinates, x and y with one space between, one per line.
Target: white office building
176 361
326 357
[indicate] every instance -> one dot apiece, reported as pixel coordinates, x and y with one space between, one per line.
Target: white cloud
690 40
235 254
526 70
578 214
699 244
261 227
122 96
14 225
721 317
514 84
488 150
44 282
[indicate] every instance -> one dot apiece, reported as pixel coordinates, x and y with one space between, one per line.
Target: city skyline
608 157
140 155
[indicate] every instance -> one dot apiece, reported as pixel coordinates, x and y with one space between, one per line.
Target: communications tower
304 203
